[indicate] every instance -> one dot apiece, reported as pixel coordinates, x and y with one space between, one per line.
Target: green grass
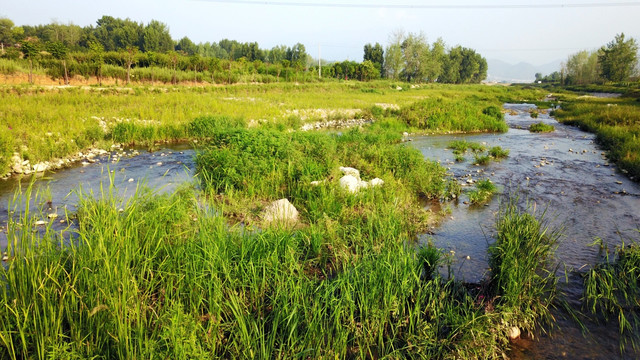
522 274
483 192
541 127
44 124
498 152
612 290
166 278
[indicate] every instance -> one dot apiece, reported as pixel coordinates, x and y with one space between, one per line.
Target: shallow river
563 172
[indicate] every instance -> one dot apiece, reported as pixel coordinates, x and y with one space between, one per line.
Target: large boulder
280 212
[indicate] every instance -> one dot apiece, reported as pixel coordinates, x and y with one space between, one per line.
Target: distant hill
500 71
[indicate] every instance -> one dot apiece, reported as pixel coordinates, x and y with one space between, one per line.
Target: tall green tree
6 33
618 58
97 58
59 51
30 49
156 37
186 45
130 58
582 68
375 54
393 62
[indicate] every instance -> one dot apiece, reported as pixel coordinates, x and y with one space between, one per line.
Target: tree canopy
618 58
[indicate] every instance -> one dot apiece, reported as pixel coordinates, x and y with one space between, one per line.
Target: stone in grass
350 171
513 333
353 184
280 212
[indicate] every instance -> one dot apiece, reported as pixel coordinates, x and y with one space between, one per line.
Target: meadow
201 273
46 123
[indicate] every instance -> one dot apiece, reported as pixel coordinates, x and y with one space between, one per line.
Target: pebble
40 222
159 164
131 180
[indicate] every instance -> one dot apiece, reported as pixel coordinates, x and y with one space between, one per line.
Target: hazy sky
535 31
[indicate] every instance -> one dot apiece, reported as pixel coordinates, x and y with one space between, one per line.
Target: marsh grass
498 152
522 268
611 291
541 127
483 191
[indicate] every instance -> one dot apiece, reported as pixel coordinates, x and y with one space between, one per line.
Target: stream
563 173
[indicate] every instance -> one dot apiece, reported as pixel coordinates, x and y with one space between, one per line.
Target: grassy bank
615 121
47 123
171 276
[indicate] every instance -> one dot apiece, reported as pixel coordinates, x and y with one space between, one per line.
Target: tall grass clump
522 270
483 192
498 152
541 127
612 289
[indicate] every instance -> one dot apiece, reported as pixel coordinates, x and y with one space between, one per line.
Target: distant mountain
500 71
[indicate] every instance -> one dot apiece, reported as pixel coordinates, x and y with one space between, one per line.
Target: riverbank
614 120
44 124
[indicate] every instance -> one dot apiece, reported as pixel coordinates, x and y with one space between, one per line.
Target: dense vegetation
171 277
125 50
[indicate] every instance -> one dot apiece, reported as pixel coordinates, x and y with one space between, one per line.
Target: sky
533 31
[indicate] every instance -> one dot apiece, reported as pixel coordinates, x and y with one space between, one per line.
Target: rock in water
280 211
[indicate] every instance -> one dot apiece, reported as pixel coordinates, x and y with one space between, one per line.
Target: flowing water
563 172
162 170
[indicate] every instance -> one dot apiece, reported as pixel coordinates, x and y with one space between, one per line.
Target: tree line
123 48
616 61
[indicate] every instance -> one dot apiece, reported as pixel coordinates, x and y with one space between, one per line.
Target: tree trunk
66 73
128 72
30 71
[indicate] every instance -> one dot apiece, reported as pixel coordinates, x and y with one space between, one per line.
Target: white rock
40 222
52 216
280 211
131 180
317 182
350 171
513 333
405 134
40 167
376 182
350 183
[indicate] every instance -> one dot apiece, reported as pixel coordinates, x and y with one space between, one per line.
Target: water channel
562 172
